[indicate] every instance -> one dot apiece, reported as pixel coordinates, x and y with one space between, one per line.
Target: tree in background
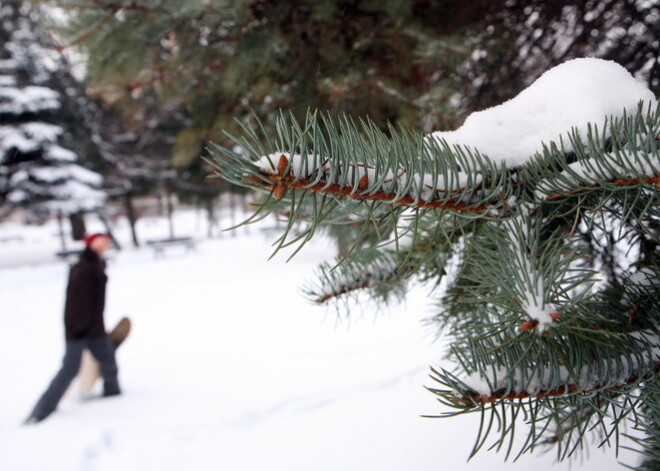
173 73
225 60
220 62
136 142
42 137
537 226
529 37
419 64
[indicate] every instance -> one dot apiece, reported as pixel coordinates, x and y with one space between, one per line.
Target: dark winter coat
85 298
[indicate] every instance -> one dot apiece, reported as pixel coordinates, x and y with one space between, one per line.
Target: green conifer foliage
548 264
224 60
423 64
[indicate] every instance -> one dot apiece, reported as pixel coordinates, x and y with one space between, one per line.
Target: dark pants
104 352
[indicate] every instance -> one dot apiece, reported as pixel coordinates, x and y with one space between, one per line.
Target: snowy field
228 367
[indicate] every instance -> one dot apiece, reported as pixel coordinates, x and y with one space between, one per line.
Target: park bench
160 245
11 238
68 255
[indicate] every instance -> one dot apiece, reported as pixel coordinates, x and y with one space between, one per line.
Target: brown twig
655 180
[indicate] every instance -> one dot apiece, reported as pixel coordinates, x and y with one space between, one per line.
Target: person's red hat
90 238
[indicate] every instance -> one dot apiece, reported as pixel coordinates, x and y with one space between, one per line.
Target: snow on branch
365 182
633 160
28 137
566 98
474 168
30 99
605 373
334 281
597 360
528 281
56 175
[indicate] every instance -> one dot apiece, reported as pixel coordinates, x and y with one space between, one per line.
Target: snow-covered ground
227 368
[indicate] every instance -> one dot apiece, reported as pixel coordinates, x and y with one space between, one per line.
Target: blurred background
134 91
107 108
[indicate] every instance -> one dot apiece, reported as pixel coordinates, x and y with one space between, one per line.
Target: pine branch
600 409
347 161
539 326
370 270
338 158
385 267
624 154
649 426
282 180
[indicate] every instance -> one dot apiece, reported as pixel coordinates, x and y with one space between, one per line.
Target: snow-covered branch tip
533 324
336 281
624 168
473 398
607 374
282 171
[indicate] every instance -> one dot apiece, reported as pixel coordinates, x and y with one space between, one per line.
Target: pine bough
552 304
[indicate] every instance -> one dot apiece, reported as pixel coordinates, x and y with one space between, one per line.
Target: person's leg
104 352
58 386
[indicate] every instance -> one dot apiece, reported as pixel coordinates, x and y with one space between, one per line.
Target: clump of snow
299 166
68 197
7 81
536 307
51 175
42 132
567 97
56 153
68 188
13 138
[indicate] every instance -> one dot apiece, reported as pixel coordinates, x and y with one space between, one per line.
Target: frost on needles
536 227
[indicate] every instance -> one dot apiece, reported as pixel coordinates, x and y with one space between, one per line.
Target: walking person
84 327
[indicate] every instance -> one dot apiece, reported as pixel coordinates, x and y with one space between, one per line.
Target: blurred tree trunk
212 218
60 226
132 220
170 211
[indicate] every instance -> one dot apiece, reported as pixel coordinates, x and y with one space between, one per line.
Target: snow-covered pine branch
498 153
365 272
547 207
385 268
424 175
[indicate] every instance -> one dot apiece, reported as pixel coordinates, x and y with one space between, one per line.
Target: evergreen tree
546 33
225 60
136 143
40 122
422 63
536 223
175 72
